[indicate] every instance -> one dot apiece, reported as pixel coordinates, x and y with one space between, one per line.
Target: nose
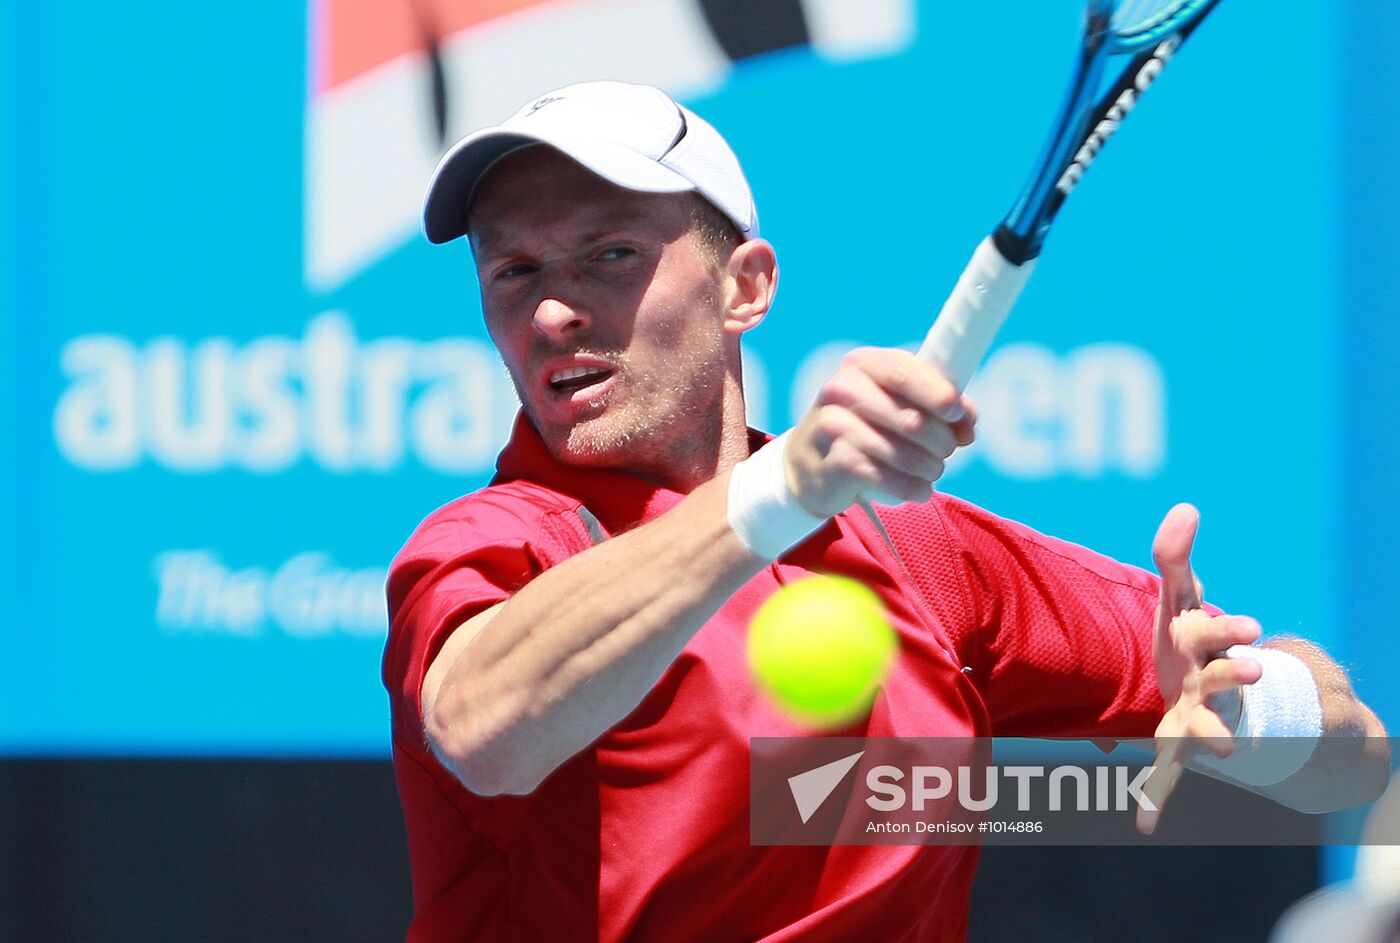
561 310
556 318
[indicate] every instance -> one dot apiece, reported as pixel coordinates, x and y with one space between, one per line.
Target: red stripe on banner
352 37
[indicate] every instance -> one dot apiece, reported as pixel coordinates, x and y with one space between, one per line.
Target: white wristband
762 511
1280 721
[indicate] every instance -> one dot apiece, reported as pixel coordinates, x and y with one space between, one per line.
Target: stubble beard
647 424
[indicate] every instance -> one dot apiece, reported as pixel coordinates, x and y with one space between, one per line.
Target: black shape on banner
437 72
745 28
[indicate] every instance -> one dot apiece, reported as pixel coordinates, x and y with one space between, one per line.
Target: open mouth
566 382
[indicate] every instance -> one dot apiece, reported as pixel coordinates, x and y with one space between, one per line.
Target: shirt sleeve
1058 638
462 560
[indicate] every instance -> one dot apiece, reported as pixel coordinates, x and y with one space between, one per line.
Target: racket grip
984 295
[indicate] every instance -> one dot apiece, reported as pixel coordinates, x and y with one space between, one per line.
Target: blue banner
238 376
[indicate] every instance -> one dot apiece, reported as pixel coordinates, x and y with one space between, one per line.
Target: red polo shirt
644 835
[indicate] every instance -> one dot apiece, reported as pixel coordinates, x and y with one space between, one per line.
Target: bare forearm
1351 763
579 647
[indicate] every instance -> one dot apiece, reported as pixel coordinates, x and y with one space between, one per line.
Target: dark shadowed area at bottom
156 850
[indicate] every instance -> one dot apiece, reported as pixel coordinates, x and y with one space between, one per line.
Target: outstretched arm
525 685
1201 686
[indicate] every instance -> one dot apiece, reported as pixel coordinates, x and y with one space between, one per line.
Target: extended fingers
1177 736
1171 551
1204 727
1169 764
1189 726
1203 635
1224 673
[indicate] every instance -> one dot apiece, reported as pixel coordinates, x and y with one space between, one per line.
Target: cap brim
461 169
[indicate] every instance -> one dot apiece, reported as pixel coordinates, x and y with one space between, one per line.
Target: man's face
607 311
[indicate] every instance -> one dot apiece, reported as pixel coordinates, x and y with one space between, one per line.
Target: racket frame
1000 267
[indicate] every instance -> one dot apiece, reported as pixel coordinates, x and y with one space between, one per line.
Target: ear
751 279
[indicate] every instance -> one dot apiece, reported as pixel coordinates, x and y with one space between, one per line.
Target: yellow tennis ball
819 647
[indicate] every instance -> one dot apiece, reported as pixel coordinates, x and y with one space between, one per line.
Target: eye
614 253
516 270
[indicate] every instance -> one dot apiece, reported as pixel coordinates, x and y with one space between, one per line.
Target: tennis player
571 706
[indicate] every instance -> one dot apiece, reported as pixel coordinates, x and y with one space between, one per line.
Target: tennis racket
1148 32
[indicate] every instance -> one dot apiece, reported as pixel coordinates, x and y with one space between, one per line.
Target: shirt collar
619 499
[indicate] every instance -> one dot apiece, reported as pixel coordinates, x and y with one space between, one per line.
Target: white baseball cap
634 136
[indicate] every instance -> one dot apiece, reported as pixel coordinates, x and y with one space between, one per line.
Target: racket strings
1137 22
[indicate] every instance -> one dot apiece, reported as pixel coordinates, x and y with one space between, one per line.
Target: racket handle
983 297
